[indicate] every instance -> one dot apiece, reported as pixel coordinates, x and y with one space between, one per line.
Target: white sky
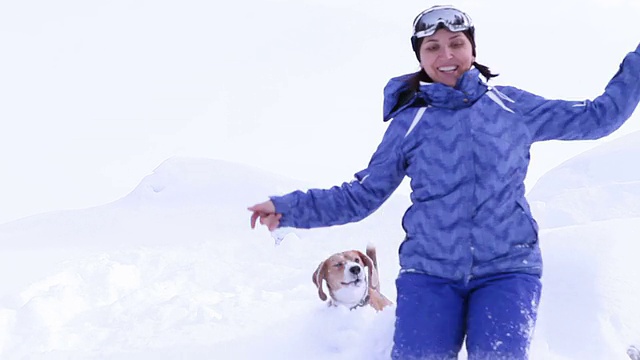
95 95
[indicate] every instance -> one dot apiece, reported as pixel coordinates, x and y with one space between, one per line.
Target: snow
173 270
599 185
97 94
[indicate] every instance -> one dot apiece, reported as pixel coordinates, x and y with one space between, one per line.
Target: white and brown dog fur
348 284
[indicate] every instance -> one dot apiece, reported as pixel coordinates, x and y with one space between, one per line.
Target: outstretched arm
352 201
575 120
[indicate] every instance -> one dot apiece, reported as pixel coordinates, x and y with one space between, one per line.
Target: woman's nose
447 53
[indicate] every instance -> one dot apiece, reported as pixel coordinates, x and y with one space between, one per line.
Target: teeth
447 68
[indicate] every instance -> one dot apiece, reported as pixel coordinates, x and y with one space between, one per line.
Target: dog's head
344 274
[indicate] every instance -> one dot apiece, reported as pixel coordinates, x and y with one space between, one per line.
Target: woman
470 262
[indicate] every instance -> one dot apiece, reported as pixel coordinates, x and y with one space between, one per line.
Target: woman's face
445 56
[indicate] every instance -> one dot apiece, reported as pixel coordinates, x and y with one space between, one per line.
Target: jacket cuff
283 205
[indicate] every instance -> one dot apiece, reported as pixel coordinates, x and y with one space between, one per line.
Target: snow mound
600 184
173 270
207 183
167 205
590 291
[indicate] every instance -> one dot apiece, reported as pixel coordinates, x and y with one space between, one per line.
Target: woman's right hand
266 212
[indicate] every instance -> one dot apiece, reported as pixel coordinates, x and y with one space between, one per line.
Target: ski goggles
434 18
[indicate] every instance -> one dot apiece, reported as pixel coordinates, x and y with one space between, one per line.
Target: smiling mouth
448 69
354 282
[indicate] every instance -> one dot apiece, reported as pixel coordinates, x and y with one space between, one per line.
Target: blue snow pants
496 314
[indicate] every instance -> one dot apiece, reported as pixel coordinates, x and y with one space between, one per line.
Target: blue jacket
466 151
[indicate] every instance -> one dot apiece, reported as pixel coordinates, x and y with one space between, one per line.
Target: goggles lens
433 18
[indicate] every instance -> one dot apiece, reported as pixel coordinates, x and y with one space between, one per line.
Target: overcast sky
95 95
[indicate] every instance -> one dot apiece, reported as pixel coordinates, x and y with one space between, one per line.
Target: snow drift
173 270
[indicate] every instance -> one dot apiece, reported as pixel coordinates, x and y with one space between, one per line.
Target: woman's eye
457 45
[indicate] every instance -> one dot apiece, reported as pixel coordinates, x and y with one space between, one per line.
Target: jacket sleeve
351 201
585 120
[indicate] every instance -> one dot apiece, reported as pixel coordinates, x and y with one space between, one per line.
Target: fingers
265 207
266 212
277 223
271 221
254 217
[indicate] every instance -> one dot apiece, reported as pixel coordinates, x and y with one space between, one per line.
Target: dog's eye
338 264
358 260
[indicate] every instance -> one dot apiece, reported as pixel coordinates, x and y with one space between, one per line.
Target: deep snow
172 270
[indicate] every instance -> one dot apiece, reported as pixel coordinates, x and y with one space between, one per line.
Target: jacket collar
468 89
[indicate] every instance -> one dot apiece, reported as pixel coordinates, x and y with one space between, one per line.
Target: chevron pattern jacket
466 151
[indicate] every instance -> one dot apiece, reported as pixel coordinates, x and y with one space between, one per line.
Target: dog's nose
355 270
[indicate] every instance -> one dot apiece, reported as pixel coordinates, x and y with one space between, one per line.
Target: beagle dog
347 282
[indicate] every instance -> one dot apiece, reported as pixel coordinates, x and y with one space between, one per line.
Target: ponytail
484 70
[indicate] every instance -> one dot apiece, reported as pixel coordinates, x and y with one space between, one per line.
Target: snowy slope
589 210
589 307
172 270
600 184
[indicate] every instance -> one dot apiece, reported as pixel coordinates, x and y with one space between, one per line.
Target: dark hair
484 70
414 81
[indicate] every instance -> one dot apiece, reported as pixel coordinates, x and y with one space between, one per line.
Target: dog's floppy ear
374 282
318 277
371 252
